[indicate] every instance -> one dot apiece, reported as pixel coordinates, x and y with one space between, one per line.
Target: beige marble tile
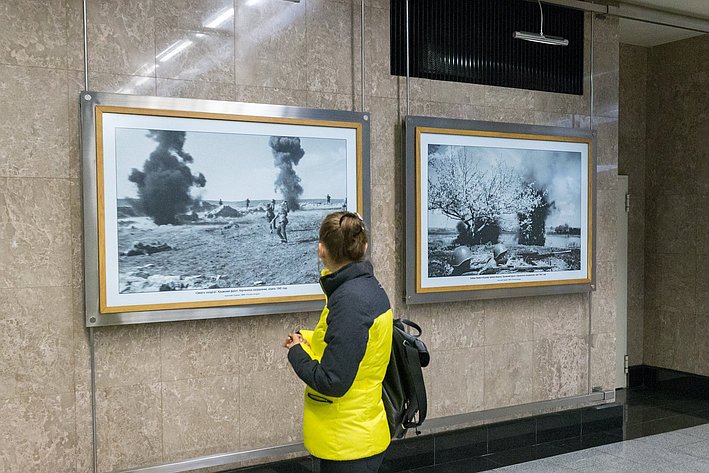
603 360
510 115
678 282
34 33
122 84
196 89
554 119
605 85
660 337
121 37
606 141
270 43
457 325
185 55
702 281
129 424
419 90
383 244
605 30
604 303
458 93
205 16
635 336
35 243
75 35
378 80
200 417
560 316
75 85
77 234
673 212
508 320
84 449
260 341
332 101
81 349
34 127
564 104
274 399
509 374
330 54
561 367
36 333
127 355
606 226
199 349
383 132
455 381
291 97
504 97
458 111
37 433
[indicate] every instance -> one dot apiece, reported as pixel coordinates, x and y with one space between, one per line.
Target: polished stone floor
685 450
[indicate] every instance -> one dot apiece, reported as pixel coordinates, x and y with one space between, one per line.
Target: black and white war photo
202 210
497 212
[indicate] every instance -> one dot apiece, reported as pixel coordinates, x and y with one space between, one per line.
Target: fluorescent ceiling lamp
540 37
221 18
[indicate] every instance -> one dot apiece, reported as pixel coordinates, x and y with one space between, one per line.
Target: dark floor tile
509 435
686 406
407 454
660 426
558 426
592 440
299 465
638 414
460 444
470 465
525 454
602 418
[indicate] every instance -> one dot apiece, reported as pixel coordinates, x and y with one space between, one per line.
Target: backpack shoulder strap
412 358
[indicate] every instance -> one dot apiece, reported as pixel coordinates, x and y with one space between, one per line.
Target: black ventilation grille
471 41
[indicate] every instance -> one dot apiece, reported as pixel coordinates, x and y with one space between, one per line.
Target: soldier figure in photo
463 265
270 217
282 222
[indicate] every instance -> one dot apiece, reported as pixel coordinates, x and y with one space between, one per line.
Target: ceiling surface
648 34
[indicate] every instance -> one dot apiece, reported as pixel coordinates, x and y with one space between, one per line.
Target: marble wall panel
508 320
635 336
454 381
122 84
384 128
200 417
560 367
121 37
260 340
37 433
459 325
34 124
270 398
419 91
554 119
660 337
606 226
605 75
34 33
75 84
672 219
75 34
458 93
604 303
509 375
603 361
331 37
36 341
129 423
271 48
378 80
274 96
196 89
504 97
333 101
560 316
458 111
205 56
511 115
127 355
35 246
199 349
677 282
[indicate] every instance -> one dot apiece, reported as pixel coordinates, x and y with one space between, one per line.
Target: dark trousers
364 465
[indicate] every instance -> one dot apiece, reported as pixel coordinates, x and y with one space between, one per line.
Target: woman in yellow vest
344 359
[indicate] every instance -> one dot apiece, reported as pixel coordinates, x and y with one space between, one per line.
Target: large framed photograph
497 210
201 209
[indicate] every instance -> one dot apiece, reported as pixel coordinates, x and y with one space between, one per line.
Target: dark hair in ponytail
345 236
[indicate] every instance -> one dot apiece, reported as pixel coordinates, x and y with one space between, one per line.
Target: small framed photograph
201 209
497 210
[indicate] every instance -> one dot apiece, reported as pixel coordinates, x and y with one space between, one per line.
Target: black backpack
403 390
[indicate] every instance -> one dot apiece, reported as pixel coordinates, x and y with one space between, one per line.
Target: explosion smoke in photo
287 153
165 181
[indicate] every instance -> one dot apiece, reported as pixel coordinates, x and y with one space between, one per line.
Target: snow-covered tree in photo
474 195
533 207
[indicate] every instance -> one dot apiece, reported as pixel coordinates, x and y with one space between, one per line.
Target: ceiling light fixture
540 37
